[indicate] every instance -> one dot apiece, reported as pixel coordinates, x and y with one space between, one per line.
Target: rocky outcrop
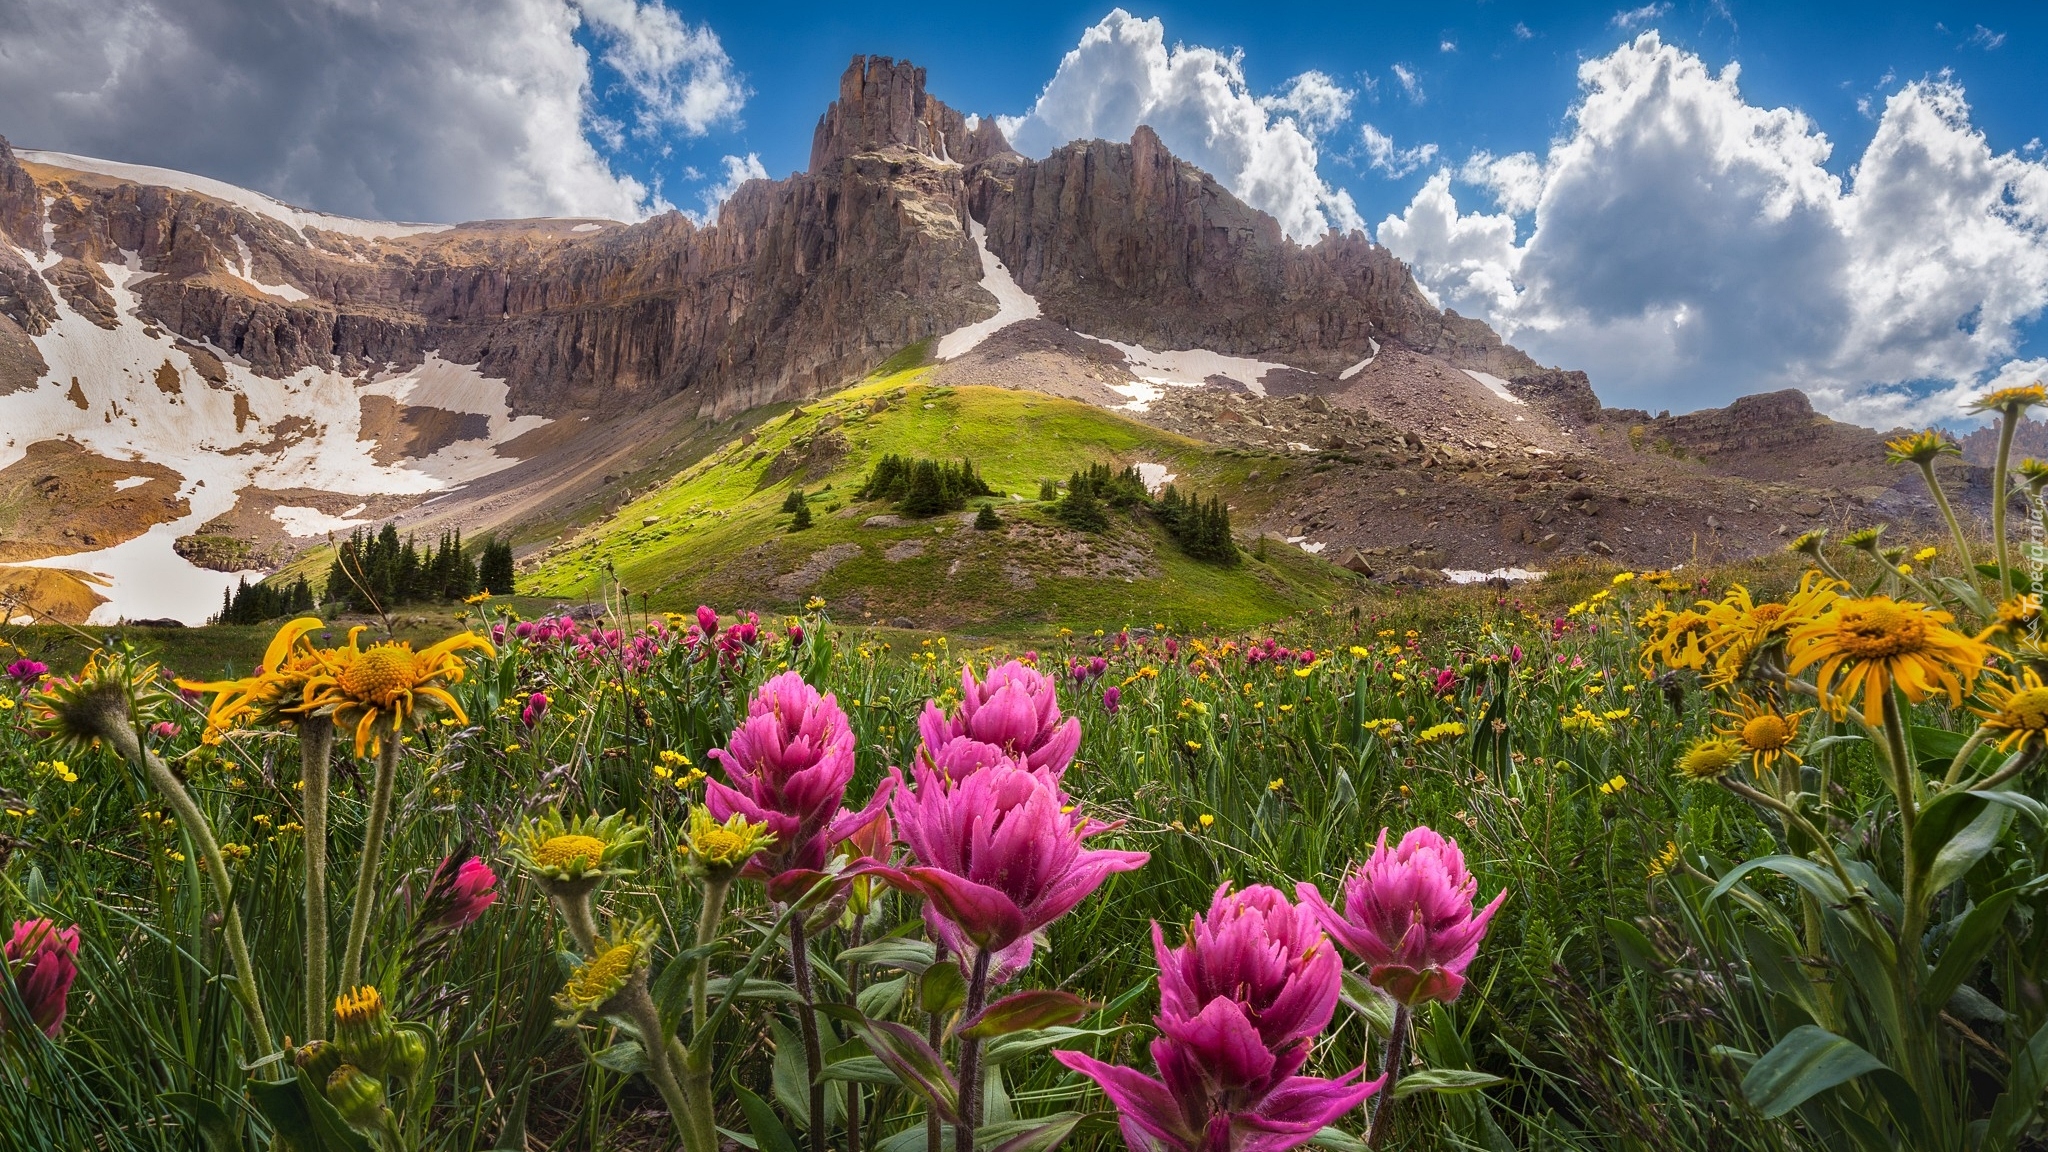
1126 241
882 104
1563 395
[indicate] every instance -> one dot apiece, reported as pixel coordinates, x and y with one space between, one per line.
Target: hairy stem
708 921
1397 1055
970 1058
934 1031
316 745
853 1086
807 1017
368 868
2006 428
1955 526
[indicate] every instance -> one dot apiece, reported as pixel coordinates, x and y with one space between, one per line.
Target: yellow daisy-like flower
2011 401
1665 862
1677 641
275 694
2034 472
598 980
1709 759
718 850
2017 616
1920 448
1739 629
1763 731
1865 647
376 690
359 1009
112 689
1436 733
573 856
2016 711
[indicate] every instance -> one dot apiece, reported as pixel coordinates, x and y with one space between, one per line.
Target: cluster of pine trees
379 571
1201 528
254 603
921 487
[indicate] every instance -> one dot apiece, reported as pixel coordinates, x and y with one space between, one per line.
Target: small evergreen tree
986 520
794 500
1048 491
494 569
802 519
1080 510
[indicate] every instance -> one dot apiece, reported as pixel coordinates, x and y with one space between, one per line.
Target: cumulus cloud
737 171
1686 246
1411 84
1123 74
1634 17
1381 153
425 110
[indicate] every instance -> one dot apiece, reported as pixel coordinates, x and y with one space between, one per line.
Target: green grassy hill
716 533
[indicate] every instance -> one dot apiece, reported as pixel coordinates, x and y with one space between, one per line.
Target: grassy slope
719 535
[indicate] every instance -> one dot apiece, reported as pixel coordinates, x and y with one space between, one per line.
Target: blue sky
1689 200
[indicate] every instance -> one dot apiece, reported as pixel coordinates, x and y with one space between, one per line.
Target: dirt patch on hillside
252 535
62 498
46 596
1041 356
412 431
21 365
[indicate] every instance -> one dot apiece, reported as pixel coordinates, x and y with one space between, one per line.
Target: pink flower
26 671
461 892
1017 709
999 852
1514 653
789 763
796 634
1408 913
43 961
164 730
1240 1003
1112 699
536 707
707 620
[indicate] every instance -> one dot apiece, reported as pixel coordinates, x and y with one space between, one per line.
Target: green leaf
1937 743
942 990
910 1056
1373 1005
1024 1011
861 1070
301 1114
1041 1135
908 955
788 1077
1962 851
1635 948
208 1118
1809 1060
2022 1097
1442 1080
769 1134
626 1057
2019 802
1339 1140
1004 1049
882 998
1815 878
754 989
1972 938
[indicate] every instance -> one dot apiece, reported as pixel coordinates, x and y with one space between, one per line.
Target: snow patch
587 228
1155 477
130 482
1012 303
1471 576
1362 365
243 198
146 579
1189 367
1495 385
300 522
283 291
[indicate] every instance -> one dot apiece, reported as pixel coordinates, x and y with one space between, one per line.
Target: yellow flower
275 694
1358 653
1676 640
1866 647
718 850
1276 783
1666 861
1583 720
376 690
1448 730
1623 577
2010 401
2016 711
1206 820
1610 787
597 980
1921 448
1709 759
2017 615
1762 730
1738 629
1925 554
575 855
479 598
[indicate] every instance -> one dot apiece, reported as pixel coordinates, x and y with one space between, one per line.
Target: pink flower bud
1408 914
43 961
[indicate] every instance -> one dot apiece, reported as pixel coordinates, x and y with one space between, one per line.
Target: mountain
288 374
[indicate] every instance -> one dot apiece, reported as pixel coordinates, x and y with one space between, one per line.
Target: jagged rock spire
882 103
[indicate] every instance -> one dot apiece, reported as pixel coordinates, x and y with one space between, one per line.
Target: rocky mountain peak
882 104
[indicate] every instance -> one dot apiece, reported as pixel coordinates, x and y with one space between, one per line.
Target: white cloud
1633 17
1410 83
1522 31
1395 162
680 75
1447 45
425 110
1686 247
738 170
1985 38
1122 74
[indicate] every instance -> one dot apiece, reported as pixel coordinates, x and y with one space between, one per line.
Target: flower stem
2006 428
708 920
114 728
1397 1055
316 744
970 1058
1955 527
807 1017
934 1032
367 869
853 1133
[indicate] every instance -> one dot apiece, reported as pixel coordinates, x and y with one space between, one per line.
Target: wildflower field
1688 860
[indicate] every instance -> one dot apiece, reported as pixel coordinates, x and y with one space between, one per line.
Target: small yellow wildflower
1610 787
1206 820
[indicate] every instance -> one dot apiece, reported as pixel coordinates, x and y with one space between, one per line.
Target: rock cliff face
800 284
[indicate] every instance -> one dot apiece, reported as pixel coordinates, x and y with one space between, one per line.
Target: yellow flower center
596 981
2027 711
1766 733
1708 759
380 675
1880 631
562 851
721 845
1767 613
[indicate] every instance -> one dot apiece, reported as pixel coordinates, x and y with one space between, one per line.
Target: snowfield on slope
110 392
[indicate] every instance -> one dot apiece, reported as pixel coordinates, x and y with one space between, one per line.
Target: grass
716 530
